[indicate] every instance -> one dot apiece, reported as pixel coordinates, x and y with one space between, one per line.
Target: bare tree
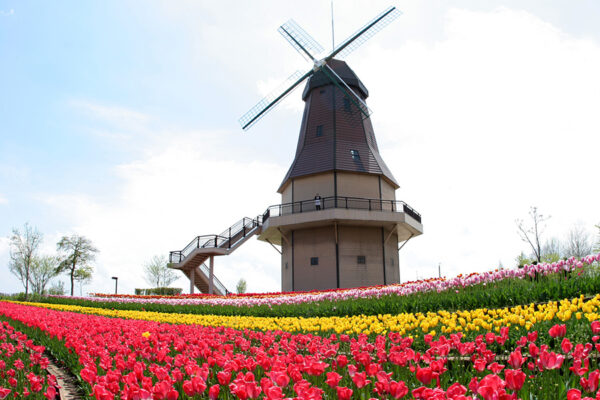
532 233
158 274
597 246
552 250
578 243
77 252
42 270
23 247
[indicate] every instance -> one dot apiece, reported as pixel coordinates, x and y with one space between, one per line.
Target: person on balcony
317 202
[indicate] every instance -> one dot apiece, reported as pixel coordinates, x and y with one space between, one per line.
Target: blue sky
119 122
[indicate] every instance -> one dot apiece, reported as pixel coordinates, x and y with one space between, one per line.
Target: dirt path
67 382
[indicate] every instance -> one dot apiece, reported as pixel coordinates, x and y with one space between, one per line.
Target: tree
158 274
57 288
42 270
83 275
552 251
241 286
597 246
77 252
23 247
578 242
532 234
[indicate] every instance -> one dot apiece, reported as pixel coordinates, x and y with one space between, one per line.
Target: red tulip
558 331
591 383
514 379
4 392
455 390
213 392
424 375
516 359
491 387
596 327
343 393
566 346
574 394
360 380
398 389
551 360
333 379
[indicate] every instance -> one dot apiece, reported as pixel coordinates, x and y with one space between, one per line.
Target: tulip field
529 333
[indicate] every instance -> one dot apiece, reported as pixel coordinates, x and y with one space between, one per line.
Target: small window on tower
361 260
319 130
314 261
347 104
355 155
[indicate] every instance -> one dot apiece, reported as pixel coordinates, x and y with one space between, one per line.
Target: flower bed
502 288
408 288
133 359
23 367
406 323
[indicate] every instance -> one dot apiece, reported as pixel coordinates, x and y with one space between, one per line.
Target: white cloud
3 200
166 200
7 13
483 124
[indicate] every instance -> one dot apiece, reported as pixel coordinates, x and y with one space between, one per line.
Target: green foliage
241 286
508 292
77 252
42 270
57 288
158 274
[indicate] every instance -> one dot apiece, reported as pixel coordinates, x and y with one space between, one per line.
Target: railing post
369 204
229 237
198 242
211 275
215 240
192 280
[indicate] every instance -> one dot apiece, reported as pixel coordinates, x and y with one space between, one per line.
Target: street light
116 278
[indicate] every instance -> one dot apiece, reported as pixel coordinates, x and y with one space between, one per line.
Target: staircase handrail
216 282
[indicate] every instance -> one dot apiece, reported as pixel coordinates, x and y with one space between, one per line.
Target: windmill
339 223
309 48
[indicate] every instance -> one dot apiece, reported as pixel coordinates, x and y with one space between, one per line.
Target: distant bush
160 291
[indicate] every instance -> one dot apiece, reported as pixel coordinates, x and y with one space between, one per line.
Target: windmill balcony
341 210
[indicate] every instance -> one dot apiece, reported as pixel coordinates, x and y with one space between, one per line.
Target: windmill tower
339 222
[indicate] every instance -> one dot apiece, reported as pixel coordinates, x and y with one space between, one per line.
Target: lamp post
116 278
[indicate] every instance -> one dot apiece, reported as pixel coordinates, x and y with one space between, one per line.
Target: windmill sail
300 40
348 92
308 48
365 33
269 101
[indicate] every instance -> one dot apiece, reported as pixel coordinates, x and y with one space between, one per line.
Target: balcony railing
351 203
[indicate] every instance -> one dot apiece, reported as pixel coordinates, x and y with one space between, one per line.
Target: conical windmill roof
342 132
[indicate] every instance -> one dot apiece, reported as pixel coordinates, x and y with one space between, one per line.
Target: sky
118 122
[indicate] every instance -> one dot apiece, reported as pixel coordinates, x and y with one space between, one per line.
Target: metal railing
216 282
351 203
226 240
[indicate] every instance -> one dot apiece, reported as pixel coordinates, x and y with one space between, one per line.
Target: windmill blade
351 94
300 40
267 103
365 33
